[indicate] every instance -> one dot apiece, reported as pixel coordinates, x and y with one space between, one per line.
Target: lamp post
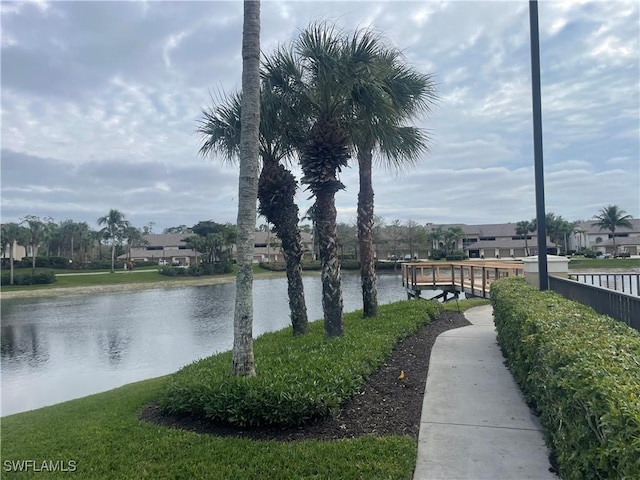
537 145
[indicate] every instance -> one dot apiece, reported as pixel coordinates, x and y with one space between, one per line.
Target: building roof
592 229
166 253
166 239
481 230
506 243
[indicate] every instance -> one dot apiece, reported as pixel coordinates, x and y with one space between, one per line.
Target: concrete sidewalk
475 423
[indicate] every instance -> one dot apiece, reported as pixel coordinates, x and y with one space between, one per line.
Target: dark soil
387 405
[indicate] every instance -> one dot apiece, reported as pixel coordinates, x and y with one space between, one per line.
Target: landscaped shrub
438 254
44 262
455 256
40 278
273 266
581 371
298 378
350 264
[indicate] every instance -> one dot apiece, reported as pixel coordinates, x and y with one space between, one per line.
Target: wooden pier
473 278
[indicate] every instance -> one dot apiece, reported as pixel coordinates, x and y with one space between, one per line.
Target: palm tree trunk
325 218
11 254
276 192
365 235
113 256
243 361
295 289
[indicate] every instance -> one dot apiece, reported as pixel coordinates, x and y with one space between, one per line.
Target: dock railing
473 278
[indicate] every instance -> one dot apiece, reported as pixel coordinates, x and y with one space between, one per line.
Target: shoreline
121 287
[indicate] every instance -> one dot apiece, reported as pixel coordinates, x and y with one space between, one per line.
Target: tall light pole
537 145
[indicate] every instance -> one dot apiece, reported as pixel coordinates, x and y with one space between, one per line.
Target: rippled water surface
57 349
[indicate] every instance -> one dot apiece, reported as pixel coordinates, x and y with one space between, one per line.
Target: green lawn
85 278
581 263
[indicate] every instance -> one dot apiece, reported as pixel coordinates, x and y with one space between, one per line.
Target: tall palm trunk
113 256
326 225
276 191
243 361
325 152
11 255
365 235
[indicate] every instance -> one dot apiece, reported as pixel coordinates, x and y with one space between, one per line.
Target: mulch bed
387 405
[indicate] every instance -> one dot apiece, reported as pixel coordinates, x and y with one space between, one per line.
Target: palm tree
243 360
13 234
312 78
220 129
611 218
523 228
37 232
115 223
133 236
386 93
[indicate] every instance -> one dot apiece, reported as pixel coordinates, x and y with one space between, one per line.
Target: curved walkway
475 422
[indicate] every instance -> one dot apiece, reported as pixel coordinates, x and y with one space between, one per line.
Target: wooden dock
474 278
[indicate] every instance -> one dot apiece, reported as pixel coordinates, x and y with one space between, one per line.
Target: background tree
611 218
347 240
524 228
451 237
12 235
37 232
436 236
243 361
133 237
114 225
178 229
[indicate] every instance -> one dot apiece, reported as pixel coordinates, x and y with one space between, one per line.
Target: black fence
618 305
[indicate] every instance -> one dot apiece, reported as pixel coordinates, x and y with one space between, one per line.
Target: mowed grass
581 263
103 437
105 277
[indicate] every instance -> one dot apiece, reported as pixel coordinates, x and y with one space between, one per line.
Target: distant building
494 240
172 249
589 236
163 249
268 248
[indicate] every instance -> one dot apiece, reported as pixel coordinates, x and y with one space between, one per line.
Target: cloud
100 102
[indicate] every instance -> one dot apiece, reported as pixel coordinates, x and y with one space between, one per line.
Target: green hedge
40 278
298 378
218 268
581 371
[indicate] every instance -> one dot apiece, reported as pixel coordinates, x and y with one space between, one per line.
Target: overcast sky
100 102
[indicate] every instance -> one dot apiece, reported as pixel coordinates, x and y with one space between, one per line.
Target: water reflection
22 345
56 349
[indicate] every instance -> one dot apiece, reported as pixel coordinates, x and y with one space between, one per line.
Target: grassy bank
102 436
149 275
581 263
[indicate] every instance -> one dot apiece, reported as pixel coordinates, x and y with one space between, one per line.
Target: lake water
57 349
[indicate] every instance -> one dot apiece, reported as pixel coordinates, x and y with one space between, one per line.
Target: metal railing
621 306
622 282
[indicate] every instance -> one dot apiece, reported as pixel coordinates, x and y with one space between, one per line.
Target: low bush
438 254
580 370
40 278
273 266
299 378
44 262
455 256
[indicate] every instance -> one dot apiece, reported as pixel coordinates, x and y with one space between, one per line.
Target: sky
100 104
